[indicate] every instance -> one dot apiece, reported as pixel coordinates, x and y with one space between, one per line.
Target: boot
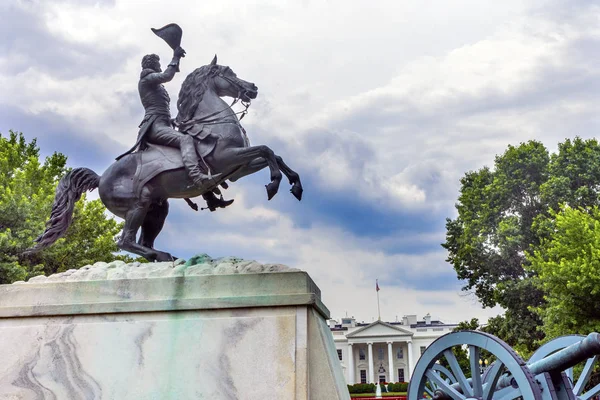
213 202
191 161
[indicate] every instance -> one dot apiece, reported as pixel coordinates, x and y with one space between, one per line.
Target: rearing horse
137 186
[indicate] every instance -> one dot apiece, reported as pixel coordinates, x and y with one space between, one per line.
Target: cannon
548 375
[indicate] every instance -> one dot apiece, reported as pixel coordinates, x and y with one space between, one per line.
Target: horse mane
192 91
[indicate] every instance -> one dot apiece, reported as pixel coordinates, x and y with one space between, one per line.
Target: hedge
398 387
362 388
371 388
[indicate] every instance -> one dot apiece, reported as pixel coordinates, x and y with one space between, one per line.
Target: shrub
362 388
398 387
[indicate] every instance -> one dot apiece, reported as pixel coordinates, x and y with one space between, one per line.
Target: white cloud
392 103
447 114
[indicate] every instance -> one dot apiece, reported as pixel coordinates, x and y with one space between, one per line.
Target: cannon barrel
561 360
569 356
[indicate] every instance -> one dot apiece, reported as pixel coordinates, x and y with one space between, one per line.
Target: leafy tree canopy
506 212
26 194
567 266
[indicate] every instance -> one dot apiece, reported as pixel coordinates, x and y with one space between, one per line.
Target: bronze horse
137 186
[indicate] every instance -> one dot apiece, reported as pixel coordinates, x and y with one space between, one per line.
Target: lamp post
481 365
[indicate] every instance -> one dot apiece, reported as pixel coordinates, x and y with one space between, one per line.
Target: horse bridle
241 92
207 120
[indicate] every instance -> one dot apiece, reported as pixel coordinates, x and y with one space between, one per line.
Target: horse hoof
162 256
271 190
297 192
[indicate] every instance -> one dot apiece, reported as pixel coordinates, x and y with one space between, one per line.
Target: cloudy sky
381 106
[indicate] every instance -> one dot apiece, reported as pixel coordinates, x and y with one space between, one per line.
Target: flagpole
378 309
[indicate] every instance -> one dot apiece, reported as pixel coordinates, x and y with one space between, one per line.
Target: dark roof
419 324
433 323
339 328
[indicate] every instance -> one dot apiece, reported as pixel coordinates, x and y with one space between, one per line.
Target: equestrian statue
189 156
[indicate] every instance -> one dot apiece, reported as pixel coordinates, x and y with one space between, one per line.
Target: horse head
226 83
219 79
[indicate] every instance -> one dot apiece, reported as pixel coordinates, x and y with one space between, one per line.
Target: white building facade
383 351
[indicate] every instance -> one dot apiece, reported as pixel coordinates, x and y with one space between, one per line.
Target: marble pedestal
249 336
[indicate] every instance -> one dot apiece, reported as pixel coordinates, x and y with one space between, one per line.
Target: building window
380 353
361 354
363 376
401 375
340 354
382 379
423 349
400 353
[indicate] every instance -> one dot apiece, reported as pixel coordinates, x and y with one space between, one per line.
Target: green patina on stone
199 259
206 259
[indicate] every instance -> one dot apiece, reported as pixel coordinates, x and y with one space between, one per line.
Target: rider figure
157 128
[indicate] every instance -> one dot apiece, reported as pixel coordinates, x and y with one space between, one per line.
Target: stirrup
217 203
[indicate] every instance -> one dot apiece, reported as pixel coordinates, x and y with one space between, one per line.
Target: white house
383 351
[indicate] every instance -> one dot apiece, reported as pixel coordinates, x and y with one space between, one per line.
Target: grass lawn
390 394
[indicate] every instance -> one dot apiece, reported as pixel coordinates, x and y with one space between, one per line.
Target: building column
391 362
351 379
409 361
371 375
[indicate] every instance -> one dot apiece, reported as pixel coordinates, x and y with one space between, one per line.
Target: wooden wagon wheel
579 385
508 378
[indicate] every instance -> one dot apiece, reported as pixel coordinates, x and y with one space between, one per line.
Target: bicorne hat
171 34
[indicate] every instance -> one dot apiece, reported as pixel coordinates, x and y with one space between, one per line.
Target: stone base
239 336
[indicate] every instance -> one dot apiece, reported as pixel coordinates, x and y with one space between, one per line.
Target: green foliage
362 388
26 195
567 266
505 213
516 331
472 325
398 387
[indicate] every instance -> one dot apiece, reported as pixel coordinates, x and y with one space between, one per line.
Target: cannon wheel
445 374
559 344
426 380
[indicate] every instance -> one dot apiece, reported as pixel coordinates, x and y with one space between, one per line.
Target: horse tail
69 190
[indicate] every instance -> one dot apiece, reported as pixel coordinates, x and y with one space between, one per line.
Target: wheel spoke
493 375
475 373
590 393
508 368
429 391
444 370
585 376
458 373
443 386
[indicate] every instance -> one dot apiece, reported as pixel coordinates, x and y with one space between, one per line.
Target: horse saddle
156 159
152 161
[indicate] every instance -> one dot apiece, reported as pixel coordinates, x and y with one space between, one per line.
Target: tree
26 195
566 267
506 212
